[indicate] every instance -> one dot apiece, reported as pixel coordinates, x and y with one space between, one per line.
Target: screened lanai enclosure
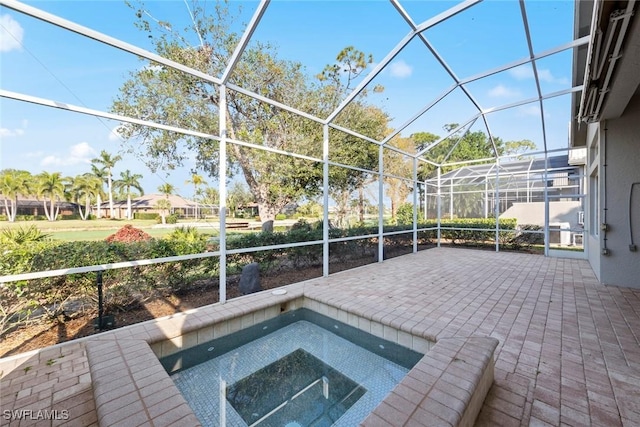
390 127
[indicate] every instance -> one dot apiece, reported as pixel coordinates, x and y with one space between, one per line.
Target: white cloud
546 76
502 91
524 72
79 153
400 69
7 133
529 110
10 34
32 154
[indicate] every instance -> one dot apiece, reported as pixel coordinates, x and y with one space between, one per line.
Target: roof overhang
610 69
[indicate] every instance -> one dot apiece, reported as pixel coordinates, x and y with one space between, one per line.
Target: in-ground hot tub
298 369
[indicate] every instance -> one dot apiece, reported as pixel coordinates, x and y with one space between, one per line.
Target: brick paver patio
568 351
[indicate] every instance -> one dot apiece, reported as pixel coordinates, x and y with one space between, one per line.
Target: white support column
497 204
451 198
426 200
222 188
380 203
486 198
415 205
546 204
325 198
439 204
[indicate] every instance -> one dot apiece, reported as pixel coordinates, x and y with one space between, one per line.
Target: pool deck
568 351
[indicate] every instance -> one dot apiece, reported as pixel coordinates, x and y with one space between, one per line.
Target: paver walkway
568 353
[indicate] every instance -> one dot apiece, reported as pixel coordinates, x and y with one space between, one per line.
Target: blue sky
44 61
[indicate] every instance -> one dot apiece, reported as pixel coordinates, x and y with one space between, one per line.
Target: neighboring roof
150 200
25 203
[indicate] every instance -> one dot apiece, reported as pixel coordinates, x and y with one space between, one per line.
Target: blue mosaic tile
204 385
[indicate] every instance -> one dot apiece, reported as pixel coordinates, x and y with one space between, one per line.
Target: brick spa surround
115 378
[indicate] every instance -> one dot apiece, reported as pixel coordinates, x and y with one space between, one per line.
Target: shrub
69 217
30 218
3 218
280 217
19 236
169 219
301 224
18 300
172 219
405 214
145 215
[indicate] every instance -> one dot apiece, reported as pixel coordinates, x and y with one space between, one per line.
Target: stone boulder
250 279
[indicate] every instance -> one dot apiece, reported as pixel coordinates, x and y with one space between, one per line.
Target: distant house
147 204
29 205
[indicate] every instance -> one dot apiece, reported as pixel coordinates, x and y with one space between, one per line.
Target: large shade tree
164 95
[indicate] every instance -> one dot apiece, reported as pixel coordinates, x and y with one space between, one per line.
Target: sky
41 60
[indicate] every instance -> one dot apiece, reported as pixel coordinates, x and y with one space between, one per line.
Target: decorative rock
267 226
250 279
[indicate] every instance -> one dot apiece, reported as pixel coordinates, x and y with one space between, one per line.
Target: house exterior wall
619 150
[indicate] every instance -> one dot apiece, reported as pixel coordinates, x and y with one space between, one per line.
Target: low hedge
145 215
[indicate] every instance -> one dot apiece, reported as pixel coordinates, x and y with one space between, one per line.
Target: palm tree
127 182
197 181
78 192
51 187
83 189
94 189
167 189
101 174
163 205
108 162
13 183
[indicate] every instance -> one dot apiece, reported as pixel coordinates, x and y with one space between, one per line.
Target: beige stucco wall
622 158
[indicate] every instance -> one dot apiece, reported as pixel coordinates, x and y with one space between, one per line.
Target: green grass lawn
76 224
99 229
84 235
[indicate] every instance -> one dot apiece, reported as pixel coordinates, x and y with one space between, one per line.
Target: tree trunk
266 209
267 214
87 207
82 215
361 205
110 195
129 206
54 209
11 213
98 205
